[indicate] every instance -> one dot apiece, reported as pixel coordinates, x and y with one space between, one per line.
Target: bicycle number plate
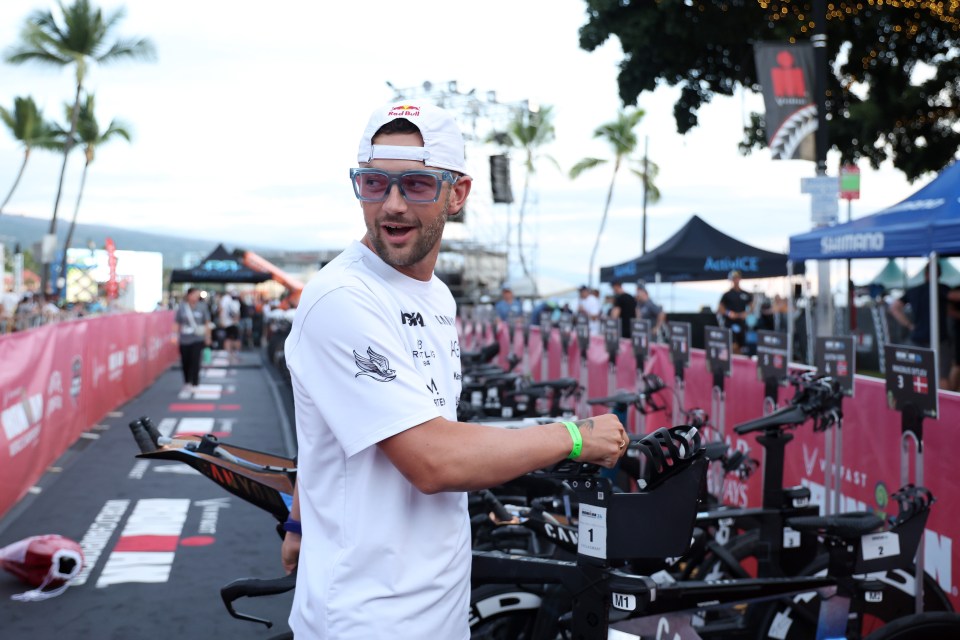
880 545
623 601
791 538
593 531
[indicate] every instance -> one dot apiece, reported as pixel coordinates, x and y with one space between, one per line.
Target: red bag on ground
47 563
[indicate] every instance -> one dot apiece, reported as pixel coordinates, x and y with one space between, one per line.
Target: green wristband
577 440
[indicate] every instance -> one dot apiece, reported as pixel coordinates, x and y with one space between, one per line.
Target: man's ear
458 194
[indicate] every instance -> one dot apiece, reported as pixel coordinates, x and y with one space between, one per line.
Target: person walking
624 308
733 310
650 311
193 320
379 522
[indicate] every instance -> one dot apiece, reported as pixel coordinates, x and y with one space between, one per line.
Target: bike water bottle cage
664 452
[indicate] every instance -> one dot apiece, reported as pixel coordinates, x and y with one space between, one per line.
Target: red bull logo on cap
404 110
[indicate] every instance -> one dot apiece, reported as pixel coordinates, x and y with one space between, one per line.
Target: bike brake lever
253 587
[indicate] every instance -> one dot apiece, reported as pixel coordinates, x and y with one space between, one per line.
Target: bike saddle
623 397
559 383
784 416
849 526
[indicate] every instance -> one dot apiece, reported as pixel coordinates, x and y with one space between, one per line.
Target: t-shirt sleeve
358 371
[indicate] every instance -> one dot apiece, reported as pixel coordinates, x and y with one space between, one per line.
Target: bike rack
583 341
911 426
545 330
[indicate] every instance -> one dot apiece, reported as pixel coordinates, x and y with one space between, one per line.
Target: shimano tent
927 221
699 252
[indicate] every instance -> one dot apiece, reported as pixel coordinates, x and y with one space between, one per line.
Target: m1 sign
850 182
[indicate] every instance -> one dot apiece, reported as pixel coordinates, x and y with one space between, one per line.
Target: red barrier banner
58 380
870 432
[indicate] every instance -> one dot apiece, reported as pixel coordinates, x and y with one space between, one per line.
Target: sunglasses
373 185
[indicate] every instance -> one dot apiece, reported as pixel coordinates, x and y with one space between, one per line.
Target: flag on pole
785 72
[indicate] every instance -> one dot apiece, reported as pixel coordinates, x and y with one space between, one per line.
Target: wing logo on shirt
375 366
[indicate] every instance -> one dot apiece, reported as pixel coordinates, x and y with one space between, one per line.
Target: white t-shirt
228 311
372 353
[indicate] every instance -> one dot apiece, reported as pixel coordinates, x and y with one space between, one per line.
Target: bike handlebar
252 588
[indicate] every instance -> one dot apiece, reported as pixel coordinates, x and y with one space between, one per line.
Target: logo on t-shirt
375 366
413 319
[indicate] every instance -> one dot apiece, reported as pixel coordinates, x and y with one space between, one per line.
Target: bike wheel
797 619
503 612
920 626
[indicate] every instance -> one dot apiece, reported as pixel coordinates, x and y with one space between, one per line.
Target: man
648 310
733 309
228 316
508 307
624 308
589 305
375 368
917 300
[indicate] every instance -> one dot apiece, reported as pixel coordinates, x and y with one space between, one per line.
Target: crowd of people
29 309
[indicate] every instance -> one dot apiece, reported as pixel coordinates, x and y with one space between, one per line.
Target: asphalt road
159 539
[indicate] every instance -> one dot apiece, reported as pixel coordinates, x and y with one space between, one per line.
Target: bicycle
591 593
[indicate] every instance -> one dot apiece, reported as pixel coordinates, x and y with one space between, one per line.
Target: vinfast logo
413 319
21 419
98 371
54 400
853 242
115 366
404 110
76 376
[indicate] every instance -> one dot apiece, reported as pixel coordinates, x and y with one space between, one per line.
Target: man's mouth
396 231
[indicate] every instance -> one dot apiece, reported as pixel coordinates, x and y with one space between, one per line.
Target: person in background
916 300
374 360
193 320
589 306
733 310
624 308
228 319
650 311
508 307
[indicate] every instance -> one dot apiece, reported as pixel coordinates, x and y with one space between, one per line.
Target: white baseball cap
442 148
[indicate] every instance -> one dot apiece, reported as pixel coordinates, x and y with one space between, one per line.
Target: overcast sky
245 126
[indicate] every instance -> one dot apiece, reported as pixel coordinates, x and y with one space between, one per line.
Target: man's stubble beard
430 235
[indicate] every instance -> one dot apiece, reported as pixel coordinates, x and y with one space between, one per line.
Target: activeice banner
58 380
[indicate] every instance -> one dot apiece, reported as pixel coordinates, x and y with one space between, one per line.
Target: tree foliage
894 87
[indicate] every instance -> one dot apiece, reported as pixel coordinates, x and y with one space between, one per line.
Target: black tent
220 266
699 252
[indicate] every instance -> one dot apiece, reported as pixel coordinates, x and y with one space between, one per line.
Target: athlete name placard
717 346
911 378
835 357
771 355
680 342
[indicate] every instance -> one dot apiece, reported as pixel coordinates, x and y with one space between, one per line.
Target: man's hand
290 551
604 440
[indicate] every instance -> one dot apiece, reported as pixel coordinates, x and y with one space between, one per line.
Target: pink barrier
58 380
870 431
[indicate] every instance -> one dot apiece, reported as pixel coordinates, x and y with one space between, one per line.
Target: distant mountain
176 250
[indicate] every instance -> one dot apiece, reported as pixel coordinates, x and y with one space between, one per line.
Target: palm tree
27 125
623 140
528 131
79 36
90 136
